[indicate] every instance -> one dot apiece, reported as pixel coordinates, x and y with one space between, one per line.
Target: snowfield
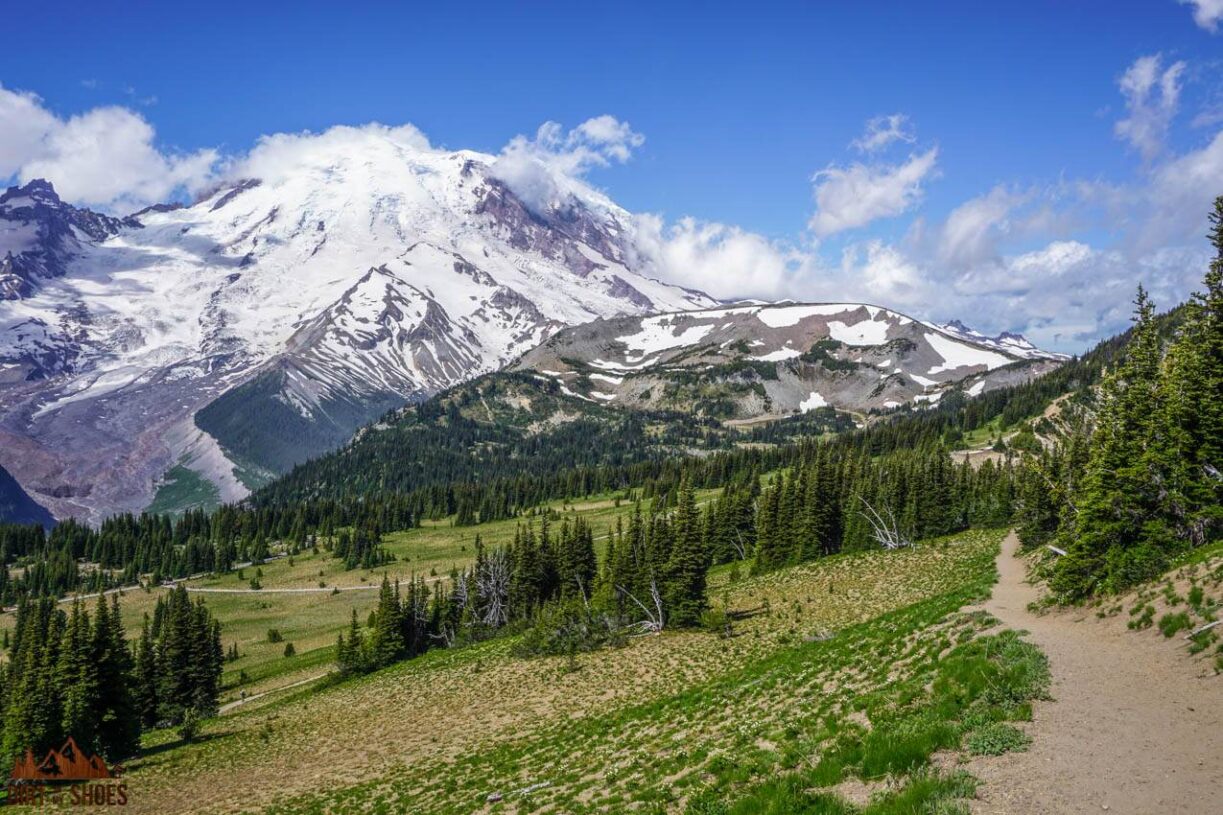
657 334
961 355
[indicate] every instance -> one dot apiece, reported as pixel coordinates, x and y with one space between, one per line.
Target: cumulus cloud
884 275
546 169
1180 192
24 123
1206 13
1152 95
106 157
724 261
853 196
882 131
282 155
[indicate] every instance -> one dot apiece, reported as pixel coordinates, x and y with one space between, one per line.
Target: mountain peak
40 234
1007 341
332 278
38 190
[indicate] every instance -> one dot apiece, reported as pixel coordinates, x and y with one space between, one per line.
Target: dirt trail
1131 730
237 703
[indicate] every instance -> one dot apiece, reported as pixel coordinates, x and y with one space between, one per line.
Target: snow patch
815 400
568 392
956 354
779 355
623 366
786 316
658 334
865 332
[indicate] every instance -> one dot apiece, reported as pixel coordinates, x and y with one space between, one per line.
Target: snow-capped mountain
1007 342
40 234
285 310
266 321
753 362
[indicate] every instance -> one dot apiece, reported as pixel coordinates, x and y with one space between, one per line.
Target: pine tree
77 679
387 645
684 591
145 677
1192 397
116 714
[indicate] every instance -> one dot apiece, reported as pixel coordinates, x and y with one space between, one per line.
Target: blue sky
739 106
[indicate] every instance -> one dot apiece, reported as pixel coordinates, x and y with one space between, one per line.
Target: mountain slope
628 390
373 272
769 361
18 508
39 235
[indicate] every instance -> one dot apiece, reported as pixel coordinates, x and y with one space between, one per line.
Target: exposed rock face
40 234
769 361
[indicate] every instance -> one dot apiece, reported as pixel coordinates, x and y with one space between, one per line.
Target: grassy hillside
311 620
664 723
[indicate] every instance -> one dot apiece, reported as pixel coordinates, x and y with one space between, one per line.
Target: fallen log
1202 628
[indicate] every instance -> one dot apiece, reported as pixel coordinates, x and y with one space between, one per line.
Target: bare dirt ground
1135 727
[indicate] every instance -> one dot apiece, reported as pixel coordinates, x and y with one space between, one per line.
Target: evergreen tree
684 591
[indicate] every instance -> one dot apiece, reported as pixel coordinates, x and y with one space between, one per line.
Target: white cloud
1206 13
1179 194
24 123
884 130
724 261
544 170
970 231
105 157
1152 95
884 275
850 197
281 155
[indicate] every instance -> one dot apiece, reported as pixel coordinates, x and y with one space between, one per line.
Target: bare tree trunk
885 531
654 620
492 587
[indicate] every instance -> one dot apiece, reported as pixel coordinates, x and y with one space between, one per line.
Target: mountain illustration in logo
68 763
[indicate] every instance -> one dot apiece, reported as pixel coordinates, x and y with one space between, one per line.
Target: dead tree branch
885 531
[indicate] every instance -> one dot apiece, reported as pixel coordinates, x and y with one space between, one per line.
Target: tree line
1137 480
75 674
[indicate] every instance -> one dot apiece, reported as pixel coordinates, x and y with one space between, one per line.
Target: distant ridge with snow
1007 342
755 362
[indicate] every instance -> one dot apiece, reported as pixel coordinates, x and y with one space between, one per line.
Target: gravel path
228 706
1131 730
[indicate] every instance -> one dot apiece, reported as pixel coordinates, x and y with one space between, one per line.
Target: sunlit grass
648 725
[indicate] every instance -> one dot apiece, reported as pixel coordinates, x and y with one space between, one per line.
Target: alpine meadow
827 418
